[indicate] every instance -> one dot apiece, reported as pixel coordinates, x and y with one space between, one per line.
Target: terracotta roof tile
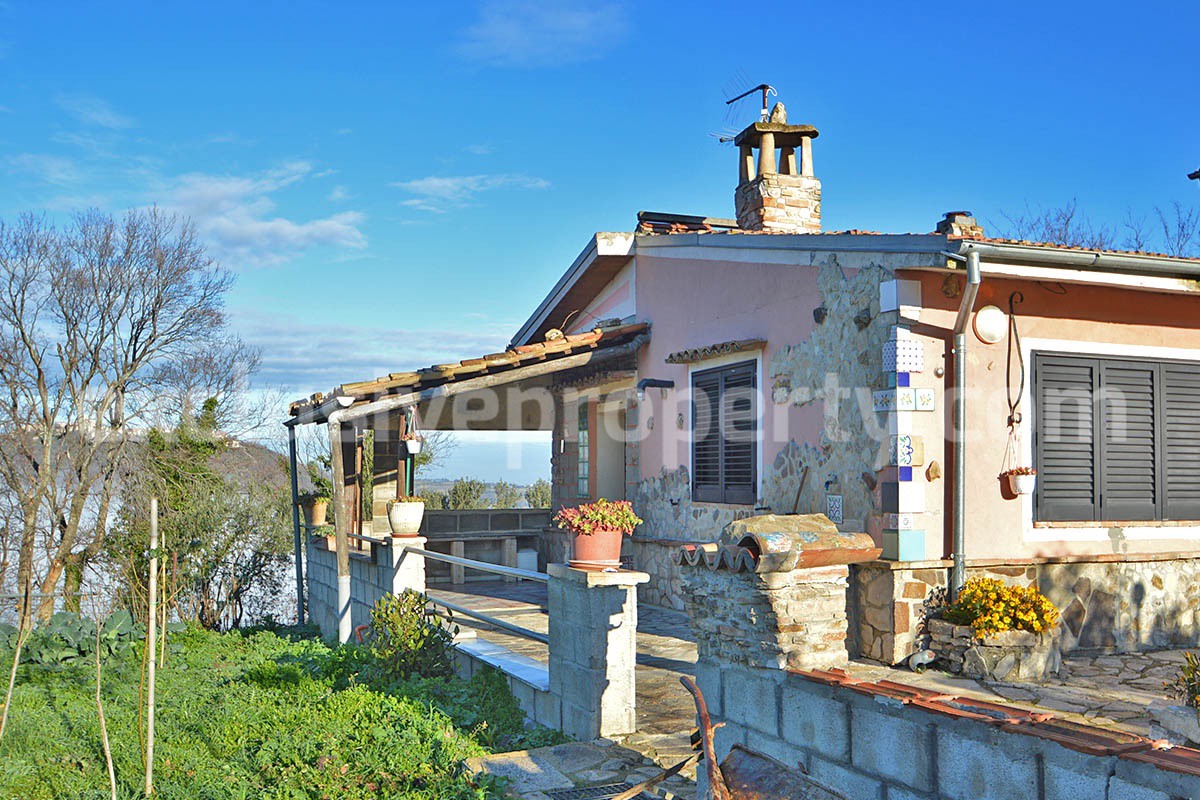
444 373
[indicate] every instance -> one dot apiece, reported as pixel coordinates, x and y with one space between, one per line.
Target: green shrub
1186 686
408 637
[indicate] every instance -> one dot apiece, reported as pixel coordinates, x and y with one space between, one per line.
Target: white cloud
306 356
50 169
436 193
533 33
92 110
339 193
479 149
234 214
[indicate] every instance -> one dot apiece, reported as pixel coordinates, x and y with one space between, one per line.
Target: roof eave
601 244
1095 260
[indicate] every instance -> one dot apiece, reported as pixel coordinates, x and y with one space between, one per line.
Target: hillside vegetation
257 715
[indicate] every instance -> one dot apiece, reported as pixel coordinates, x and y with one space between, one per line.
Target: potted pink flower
596 531
1022 480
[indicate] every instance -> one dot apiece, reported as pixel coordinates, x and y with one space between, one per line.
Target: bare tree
1181 231
1063 225
1175 232
91 317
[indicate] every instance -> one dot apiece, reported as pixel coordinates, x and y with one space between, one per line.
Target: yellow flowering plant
990 606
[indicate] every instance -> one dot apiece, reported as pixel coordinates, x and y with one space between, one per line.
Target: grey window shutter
725 434
1180 412
1129 465
706 437
1065 438
739 434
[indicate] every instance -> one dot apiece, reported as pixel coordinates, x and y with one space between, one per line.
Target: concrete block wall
876 747
388 569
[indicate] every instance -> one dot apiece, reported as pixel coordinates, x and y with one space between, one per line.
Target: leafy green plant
69 638
408 637
1186 686
602 515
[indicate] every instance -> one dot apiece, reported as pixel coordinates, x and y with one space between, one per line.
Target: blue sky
399 184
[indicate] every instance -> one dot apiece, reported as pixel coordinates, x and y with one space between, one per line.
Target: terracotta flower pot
315 512
599 549
405 518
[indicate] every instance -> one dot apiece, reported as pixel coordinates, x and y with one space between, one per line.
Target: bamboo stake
108 759
25 627
152 645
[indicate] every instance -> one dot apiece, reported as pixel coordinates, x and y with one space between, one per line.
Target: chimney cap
953 214
785 135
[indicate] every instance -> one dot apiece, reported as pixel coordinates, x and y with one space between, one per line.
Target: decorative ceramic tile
902 379
906 399
900 521
904 545
904 474
907 450
903 355
833 508
884 401
926 399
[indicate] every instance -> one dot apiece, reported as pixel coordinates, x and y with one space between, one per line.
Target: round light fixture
991 324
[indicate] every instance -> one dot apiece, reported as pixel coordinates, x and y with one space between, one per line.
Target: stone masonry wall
385 570
779 619
1109 605
875 746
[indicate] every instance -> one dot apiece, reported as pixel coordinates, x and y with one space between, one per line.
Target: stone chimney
777 192
960 223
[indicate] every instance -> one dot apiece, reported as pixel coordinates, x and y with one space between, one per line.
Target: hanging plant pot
1022 482
413 446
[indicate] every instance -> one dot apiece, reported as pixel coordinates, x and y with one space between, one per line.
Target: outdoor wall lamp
652 383
991 324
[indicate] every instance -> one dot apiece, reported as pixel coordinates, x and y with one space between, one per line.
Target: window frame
745 493
583 449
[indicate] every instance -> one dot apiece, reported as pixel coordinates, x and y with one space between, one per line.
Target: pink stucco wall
1097 320
694 304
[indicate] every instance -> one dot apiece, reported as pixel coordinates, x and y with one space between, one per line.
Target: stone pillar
593 649
408 569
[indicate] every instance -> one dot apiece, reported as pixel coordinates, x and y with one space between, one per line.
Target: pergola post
341 522
299 541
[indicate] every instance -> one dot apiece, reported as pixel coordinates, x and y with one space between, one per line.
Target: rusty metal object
746 775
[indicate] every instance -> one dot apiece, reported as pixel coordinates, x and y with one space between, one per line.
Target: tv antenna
766 89
735 101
